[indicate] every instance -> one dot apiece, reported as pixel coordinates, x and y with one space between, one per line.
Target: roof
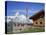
38 15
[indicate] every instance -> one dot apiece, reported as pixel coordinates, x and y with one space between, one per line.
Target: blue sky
33 8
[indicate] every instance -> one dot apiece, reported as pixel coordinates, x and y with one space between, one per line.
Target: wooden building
38 19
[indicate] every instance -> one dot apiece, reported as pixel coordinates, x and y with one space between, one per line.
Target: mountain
17 18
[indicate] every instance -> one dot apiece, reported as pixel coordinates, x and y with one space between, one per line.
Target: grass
31 30
34 30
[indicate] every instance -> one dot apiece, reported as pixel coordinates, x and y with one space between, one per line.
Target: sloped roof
38 15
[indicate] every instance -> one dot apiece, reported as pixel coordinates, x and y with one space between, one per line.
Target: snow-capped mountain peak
19 18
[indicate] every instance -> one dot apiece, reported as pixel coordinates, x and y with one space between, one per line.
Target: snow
19 18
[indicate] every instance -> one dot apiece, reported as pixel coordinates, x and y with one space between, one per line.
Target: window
18 24
40 22
36 23
22 24
28 24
